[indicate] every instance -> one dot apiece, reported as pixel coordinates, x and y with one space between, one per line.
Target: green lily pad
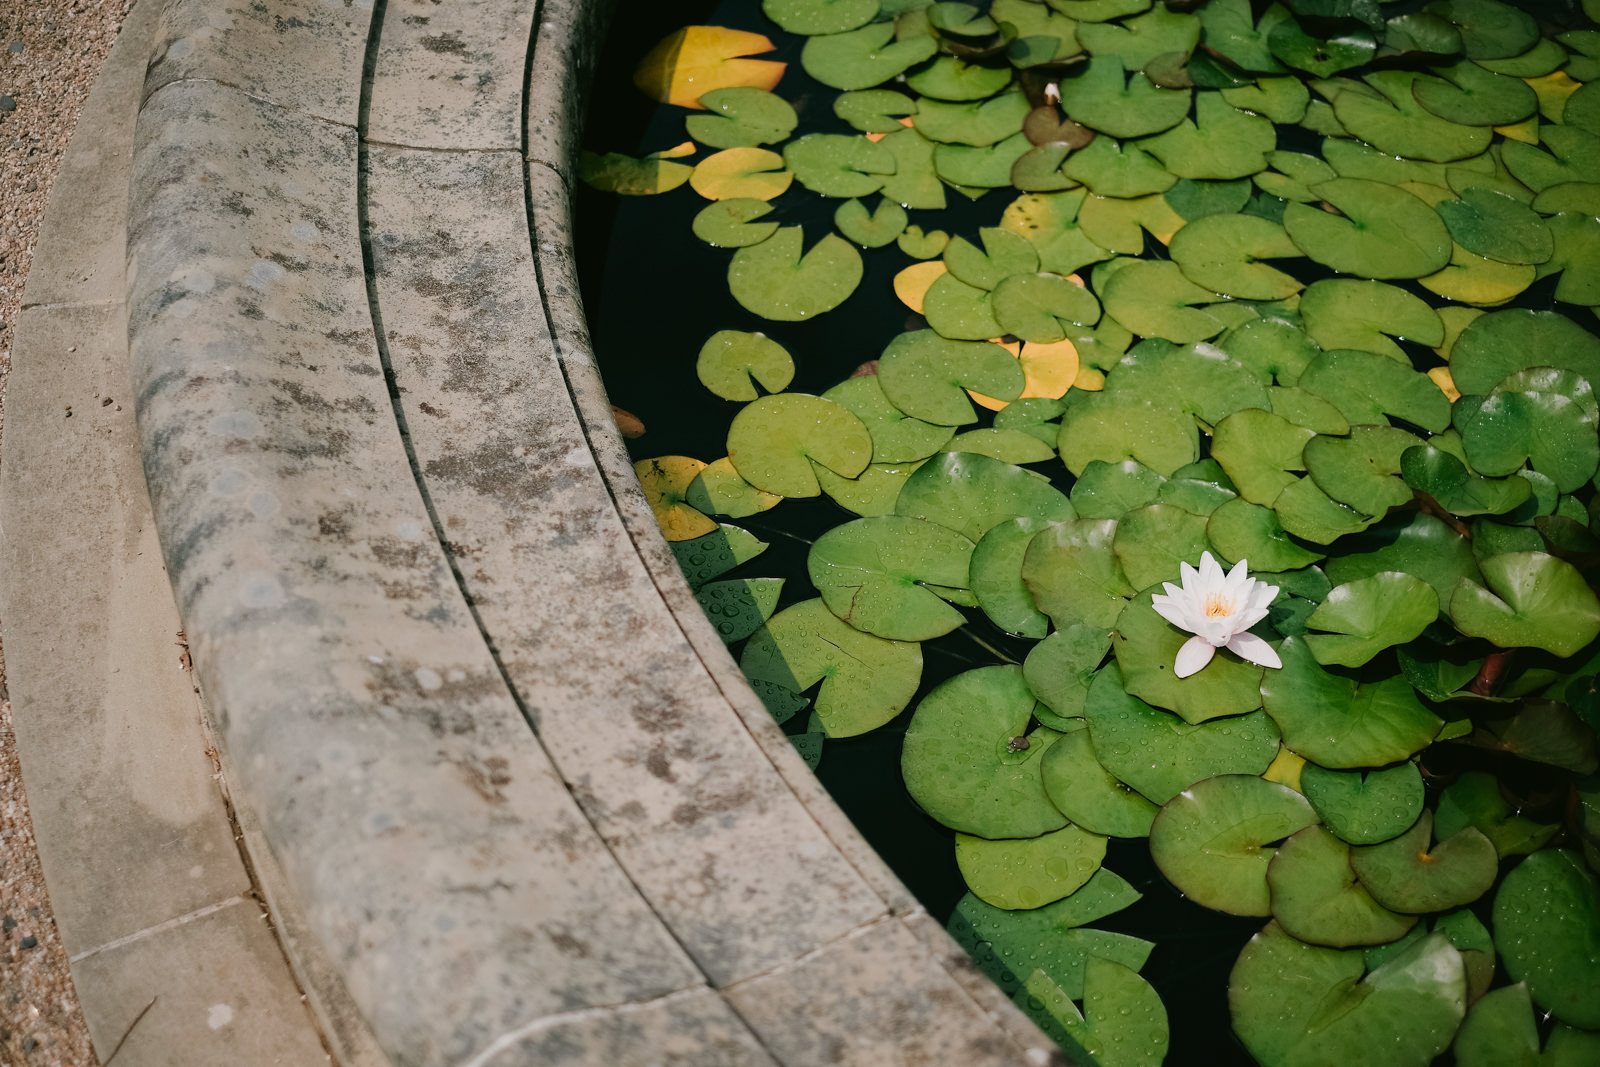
972 494
1033 415
1338 722
1300 1005
1073 574
1420 33
1346 313
1316 897
977 123
1532 599
1118 427
1009 946
1231 30
1258 449
775 281
1159 754
1294 175
1060 668
951 78
1031 872
1039 169
1003 254
1279 99
1411 874
1110 490
1049 221
740 116
1146 647
1457 489
1307 512
1577 257
1154 298
866 680
1365 387
1272 348
1221 142
1152 541
914 184
1240 530
1223 252
960 312
738 609
863 58
1036 21
1322 56
1544 415
710 555
896 436
1139 39
953 19
1394 121
1499 344
809 17
1500 1031
1198 199
1109 167
1382 231
730 223
1361 471
918 245
874 110
718 490
731 359
1568 154
872 492
1437 677
881 575
1489 29
774 441
871 229
1213 841
1200 379
1308 410
996 573
976 168
963 761
1365 807
1475 800
614 172
1008 446
1493 224
1103 100
1471 95
1040 307
1088 794
926 376
1581 198
837 164
1369 615
1547 928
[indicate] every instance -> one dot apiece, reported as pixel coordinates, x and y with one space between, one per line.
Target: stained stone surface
435 851
450 75
683 1030
564 54
305 55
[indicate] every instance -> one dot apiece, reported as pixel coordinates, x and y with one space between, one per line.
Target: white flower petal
1240 575
1195 653
1249 646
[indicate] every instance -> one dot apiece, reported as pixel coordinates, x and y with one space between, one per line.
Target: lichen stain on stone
445 44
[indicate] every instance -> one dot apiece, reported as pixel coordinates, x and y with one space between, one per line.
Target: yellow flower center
1217 604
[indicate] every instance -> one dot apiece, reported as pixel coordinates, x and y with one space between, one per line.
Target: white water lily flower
1219 610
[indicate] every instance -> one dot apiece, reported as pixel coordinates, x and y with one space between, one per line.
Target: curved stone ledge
516 787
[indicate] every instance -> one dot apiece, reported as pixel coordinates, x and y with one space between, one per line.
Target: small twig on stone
124 1040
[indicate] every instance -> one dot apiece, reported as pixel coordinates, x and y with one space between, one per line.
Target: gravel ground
50 54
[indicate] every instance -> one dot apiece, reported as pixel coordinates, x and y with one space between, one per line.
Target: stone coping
507 791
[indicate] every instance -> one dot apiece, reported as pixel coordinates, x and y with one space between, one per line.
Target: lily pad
614 172
1272 348
871 229
1362 470
1104 98
863 58
874 110
973 169
1365 807
1240 530
1152 541
964 760
1365 386
1123 1022
1221 142
1338 722
866 680
716 553
696 60
1039 308
741 116
926 375
1472 95
1258 449
1547 928
996 573
1299 1005
773 279
1153 298
1381 231
872 492
731 359
836 164
1011 945
959 311
1532 599
1159 754
731 223
1060 668
1475 800
1498 226
1456 488
1322 56
1500 1031
1544 415
1031 872
1119 427
1088 794
1346 313
1222 253
741 174
953 78
896 436
1316 897
972 494
718 490
738 609
1489 29
1074 575
1109 167
1369 615
1146 647
1214 840
774 441
665 481
914 184
1412 875
820 16
1049 221
1499 344
882 575
1003 254
978 123
1110 490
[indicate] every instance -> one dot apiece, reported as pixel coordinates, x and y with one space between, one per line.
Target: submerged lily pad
969 761
1214 840
866 680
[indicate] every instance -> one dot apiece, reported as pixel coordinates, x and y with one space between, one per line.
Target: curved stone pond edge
509 798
